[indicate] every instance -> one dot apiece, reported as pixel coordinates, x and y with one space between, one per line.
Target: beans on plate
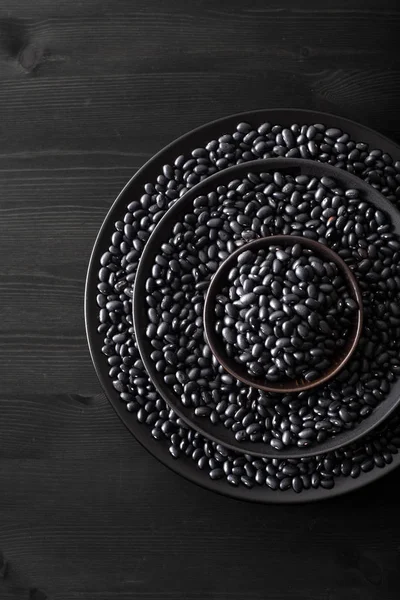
120 261
207 234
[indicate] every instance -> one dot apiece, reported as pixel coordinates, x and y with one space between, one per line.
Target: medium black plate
149 172
163 232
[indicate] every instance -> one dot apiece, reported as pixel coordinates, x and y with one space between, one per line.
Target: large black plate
149 172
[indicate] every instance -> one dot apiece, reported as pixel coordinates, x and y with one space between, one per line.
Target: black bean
367 464
277 444
307 434
247 299
229 335
216 473
297 484
119 386
114 306
333 132
302 310
311 374
272 482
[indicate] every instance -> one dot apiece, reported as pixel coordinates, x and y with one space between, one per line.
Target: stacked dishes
287 446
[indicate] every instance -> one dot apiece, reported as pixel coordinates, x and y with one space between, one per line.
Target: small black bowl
218 433
239 371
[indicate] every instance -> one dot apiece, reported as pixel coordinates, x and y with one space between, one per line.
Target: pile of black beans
205 236
285 313
117 275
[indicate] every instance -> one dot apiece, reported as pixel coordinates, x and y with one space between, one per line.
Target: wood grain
88 92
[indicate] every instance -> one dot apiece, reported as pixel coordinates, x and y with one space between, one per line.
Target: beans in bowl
284 313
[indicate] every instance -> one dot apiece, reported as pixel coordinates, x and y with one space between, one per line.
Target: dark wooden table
89 91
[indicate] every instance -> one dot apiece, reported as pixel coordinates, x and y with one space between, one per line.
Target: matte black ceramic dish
163 232
239 371
185 466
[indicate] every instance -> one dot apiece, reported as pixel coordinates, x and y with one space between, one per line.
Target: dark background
88 92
